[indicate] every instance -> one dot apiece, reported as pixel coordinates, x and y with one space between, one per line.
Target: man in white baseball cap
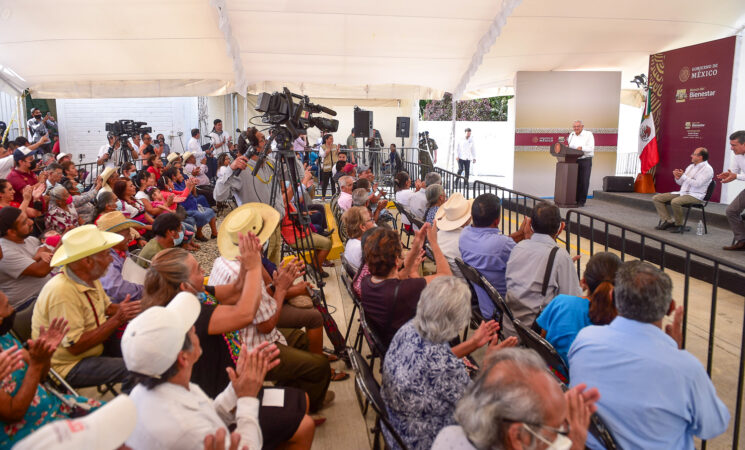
104 429
160 348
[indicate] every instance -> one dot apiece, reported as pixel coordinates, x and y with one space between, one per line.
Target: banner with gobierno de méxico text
690 102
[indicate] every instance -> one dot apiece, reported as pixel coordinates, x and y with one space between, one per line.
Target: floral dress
422 382
45 407
59 220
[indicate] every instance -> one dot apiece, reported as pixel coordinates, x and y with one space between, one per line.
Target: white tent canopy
335 48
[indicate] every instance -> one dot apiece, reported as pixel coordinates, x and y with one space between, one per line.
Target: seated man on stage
736 206
693 184
581 139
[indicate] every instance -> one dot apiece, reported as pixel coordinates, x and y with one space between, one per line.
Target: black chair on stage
533 340
366 385
500 306
701 206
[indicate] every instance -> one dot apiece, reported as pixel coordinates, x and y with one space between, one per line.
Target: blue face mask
179 239
133 175
80 187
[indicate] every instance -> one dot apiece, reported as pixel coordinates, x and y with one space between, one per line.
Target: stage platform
636 212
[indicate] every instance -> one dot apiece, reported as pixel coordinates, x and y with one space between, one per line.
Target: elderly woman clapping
423 376
61 215
435 198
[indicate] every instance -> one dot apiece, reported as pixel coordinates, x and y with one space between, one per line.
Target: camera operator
375 143
246 188
110 155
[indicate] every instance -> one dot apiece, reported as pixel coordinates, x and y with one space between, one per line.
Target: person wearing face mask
114 284
25 404
22 174
61 215
168 234
37 127
515 404
538 269
90 353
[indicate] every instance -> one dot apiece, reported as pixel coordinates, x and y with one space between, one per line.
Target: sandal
331 357
338 376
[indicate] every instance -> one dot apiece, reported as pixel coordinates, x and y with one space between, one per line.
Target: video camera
127 128
279 109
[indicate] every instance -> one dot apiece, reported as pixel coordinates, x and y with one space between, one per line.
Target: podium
565 186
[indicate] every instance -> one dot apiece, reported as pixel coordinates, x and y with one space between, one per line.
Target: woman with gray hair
61 215
435 198
423 376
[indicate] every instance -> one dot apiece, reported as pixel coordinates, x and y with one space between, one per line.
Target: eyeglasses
564 430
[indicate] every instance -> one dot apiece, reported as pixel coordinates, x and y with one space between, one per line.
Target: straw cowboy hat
85 240
116 221
258 218
172 156
186 156
107 173
453 213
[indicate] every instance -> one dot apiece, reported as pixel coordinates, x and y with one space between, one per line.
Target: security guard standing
427 153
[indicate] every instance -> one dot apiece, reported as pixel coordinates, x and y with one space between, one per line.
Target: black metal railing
601 234
514 203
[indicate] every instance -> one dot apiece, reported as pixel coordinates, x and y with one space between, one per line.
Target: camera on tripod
123 130
279 109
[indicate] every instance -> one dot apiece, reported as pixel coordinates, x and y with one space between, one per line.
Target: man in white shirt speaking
466 154
693 182
581 139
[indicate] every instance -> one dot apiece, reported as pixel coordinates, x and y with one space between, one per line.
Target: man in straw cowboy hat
108 178
450 219
114 284
76 294
303 364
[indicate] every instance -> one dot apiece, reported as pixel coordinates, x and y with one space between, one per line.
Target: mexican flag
648 139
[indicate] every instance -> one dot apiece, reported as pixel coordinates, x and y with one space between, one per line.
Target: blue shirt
562 319
652 395
116 287
422 382
190 204
487 250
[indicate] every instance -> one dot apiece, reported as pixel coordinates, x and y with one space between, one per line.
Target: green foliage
481 109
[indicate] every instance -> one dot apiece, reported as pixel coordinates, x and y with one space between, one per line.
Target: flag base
644 183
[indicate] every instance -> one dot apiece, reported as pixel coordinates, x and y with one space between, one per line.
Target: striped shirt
225 272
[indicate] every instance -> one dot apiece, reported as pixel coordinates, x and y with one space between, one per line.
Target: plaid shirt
225 272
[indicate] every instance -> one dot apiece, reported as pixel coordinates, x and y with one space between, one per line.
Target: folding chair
410 232
376 345
366 384
701 206
477 280
533 340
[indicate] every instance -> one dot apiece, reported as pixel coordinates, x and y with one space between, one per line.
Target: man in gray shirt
25 266
246 188
528 289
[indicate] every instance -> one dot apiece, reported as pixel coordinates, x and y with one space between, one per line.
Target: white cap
153 339
104 429
62 155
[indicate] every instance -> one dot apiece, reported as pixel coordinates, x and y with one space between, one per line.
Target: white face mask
560 443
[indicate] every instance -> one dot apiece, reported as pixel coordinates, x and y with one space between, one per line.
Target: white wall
736 119
82 121
494 143
8 112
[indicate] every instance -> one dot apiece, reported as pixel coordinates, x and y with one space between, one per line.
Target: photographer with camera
110 155
37 127
247 188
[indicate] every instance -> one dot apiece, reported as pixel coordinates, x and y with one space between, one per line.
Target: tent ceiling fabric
334 48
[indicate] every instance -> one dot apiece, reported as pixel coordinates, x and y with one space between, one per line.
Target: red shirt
288 228
153 169
20 180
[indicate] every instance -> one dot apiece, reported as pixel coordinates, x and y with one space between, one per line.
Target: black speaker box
618 184
402 127
363 124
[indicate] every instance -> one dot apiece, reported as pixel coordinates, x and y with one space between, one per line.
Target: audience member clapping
356 220
436 197
655 395
566 315
25 404
390 294
516 404
61 215
423 377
